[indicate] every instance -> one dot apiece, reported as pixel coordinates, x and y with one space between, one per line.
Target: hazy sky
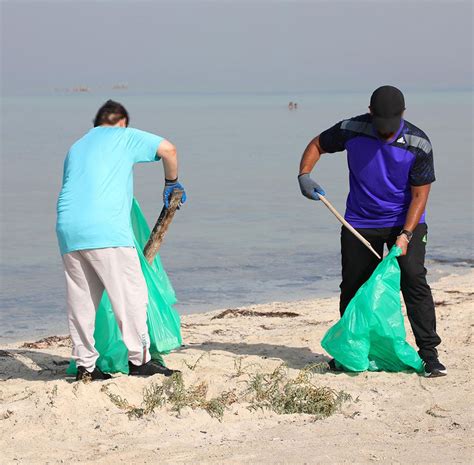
236 45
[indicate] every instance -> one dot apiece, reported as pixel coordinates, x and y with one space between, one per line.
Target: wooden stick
161 226
348 226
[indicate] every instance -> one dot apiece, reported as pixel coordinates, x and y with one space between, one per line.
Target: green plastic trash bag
162 319
371 333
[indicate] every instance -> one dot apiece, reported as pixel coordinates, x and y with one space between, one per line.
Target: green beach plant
193 366
274 391
195 397
277 392
240 369
123 404
174 393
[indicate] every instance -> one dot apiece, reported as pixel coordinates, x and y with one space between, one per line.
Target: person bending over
390 174
96 239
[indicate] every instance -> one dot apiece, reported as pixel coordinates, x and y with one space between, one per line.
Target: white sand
394 418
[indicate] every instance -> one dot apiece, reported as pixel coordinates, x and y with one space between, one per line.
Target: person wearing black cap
390 174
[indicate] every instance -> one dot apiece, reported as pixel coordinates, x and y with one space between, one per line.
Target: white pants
117 270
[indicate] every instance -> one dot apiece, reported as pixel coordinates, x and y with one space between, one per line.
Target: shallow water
246 235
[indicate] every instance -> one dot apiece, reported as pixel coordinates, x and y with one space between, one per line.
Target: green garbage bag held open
371 333
162 319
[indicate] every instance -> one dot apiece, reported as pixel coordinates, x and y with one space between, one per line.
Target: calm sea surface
246 235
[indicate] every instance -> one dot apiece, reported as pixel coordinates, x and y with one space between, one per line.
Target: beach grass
275 391
278 392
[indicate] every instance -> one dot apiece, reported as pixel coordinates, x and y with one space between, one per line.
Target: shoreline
417 420
437 274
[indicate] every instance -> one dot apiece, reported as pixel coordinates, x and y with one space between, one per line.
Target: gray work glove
310 188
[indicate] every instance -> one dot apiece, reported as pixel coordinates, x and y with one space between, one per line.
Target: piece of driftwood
162 225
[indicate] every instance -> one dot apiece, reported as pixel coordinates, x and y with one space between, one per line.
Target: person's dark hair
111 113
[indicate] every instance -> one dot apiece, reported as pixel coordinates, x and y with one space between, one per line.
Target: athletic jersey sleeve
422 171
333 139
336 138
143 145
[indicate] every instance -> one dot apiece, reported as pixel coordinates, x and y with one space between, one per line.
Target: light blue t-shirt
96 196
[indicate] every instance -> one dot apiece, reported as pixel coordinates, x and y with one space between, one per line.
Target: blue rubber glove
170 186
310 188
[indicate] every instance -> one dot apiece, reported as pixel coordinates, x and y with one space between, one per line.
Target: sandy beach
389 418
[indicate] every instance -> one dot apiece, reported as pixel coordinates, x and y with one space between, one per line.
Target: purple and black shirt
381 172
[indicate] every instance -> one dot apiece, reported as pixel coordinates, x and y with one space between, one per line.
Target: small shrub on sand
123 404
174 393
283 395
274 391
179 396
217 406
153 398
239 369
193 366
195 397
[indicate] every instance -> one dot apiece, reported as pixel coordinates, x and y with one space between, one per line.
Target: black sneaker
150 368
96 375
434 368
334 366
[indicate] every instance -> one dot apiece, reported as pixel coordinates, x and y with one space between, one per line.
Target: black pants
358 264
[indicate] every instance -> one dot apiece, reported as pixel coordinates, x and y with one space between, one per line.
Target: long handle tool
348 226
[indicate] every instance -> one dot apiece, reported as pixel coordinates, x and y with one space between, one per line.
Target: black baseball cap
387 105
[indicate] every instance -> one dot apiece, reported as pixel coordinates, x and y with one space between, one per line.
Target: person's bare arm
310 188
168 153
311 156
418 202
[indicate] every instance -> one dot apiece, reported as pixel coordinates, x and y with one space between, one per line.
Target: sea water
246 234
